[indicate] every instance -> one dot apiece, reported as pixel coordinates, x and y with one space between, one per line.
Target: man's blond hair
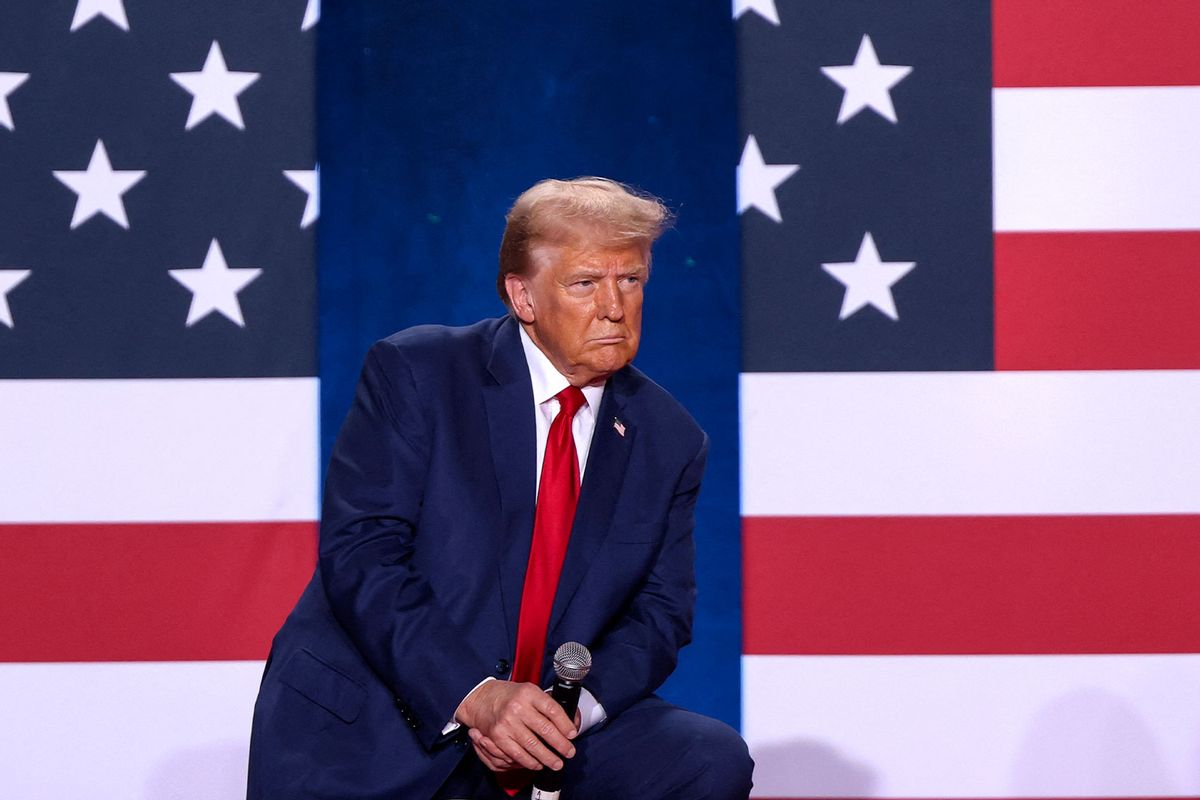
596 211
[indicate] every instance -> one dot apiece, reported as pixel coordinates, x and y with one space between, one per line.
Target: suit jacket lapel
509 402
612 442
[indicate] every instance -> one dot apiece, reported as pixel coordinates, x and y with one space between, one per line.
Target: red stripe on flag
1079 301
149 592
1097 43
971 585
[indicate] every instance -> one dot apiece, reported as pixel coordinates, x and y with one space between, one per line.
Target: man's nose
610 304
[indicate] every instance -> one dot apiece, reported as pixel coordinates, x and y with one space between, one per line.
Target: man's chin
608 363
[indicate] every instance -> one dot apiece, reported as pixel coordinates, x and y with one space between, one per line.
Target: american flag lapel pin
618 426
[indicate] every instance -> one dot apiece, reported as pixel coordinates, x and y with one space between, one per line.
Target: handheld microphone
571 664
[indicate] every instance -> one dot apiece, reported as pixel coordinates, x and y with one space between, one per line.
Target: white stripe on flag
866 444
159 450
975 726
1087 159
146 730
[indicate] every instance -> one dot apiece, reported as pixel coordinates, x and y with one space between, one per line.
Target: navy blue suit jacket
425 533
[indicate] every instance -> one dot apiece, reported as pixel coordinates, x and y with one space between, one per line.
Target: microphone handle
546 782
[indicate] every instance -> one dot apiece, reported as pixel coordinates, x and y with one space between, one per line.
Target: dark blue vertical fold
434 116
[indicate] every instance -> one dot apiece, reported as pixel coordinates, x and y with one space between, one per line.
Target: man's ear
519 296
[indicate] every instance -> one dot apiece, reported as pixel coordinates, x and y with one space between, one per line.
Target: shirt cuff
591 713
454 725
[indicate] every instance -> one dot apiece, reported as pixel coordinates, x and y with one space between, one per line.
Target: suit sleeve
636 655
369 531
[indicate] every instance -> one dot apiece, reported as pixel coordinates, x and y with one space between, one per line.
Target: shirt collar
548 381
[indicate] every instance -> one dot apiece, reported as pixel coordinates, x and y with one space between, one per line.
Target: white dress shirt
548 382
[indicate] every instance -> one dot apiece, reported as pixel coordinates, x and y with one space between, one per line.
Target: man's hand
511 725
491 755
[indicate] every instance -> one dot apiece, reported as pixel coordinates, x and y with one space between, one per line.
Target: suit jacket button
502 666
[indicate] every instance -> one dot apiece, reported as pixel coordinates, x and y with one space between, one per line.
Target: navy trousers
653 751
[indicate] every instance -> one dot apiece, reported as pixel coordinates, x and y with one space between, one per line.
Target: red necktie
558 494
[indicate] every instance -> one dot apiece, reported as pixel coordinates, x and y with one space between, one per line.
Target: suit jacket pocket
323 684
637 532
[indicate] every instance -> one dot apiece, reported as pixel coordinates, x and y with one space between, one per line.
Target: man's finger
552 727
523 742
549 736
489 762
494 764
485 743
520 745
554 712
535 746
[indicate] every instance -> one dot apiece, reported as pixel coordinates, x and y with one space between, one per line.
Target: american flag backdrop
970 425
970 404
158 390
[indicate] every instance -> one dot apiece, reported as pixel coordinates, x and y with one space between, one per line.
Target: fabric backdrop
162 320
954 366
970 398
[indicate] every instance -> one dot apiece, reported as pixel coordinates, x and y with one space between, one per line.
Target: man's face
582 306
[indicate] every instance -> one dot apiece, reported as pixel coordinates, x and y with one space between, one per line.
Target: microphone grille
572 661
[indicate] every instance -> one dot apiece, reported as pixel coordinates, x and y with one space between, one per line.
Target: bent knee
715 761
729 769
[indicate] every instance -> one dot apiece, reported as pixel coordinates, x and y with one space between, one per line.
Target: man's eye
584 283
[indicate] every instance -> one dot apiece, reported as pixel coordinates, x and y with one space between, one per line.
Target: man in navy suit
392 677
